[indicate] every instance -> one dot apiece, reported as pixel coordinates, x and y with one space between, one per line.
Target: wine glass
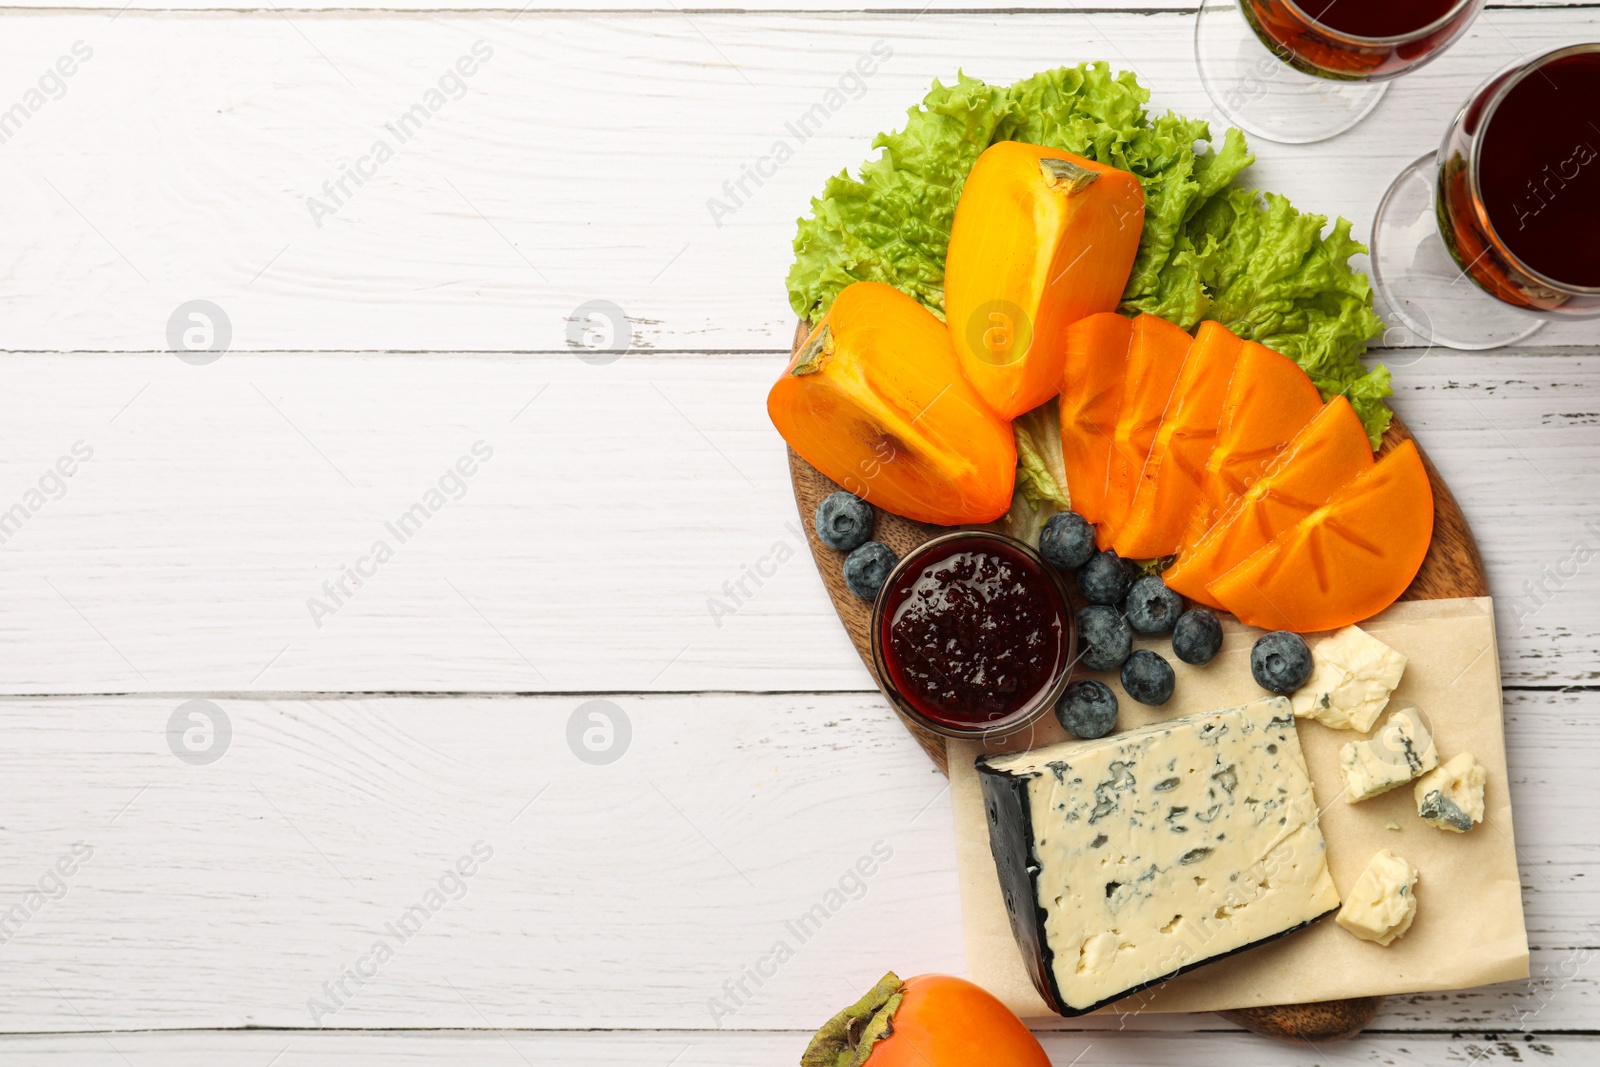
1299 74
1479 244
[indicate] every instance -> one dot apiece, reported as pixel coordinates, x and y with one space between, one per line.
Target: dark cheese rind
1005 805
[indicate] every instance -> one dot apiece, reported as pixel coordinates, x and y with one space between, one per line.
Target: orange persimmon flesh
1041 238
1091 397
875 400
1155 356
1347 560
1165 493
1269 401
1324 456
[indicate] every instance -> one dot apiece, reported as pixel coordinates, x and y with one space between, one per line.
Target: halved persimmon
1269 401
1347 560
1041 238
1325 455
1155 357
875 400
1091 397
1166 490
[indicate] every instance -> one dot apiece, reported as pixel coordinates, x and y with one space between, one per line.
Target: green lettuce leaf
1210 248
1041 473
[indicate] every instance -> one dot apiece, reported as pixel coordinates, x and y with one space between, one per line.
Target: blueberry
1148 678
1088 708
844 521
1105 578
1067 541
1197 637
1105 637
1280 661
1151 607
866 568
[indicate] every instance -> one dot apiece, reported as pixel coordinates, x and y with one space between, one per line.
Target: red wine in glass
1514 191
1519 186
1378 18
1299 71
1359 40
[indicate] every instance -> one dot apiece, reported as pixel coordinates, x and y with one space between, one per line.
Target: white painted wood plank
624 895
1513 437
629 895
601 547
577 164
713 1049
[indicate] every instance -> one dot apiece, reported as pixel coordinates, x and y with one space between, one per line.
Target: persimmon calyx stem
847 1039
1065 172
815 353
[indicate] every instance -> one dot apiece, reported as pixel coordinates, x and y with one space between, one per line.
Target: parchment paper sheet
1469 929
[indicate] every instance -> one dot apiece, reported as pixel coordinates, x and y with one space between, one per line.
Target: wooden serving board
1452 568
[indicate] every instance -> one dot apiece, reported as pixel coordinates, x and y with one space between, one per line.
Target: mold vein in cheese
1130 858
1394 756
1451 796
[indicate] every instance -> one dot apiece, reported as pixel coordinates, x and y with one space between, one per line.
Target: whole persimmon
932 1020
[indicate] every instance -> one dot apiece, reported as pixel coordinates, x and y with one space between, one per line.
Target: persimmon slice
1041 238
1269 400
875 400
1165 493
1344 562
1155 357
1325 455
1091 396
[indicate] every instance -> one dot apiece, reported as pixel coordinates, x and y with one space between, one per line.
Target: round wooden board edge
1453 567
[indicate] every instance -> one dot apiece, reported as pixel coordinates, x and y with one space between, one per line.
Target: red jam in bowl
973 631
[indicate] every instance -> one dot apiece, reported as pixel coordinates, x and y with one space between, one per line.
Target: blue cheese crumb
1352 675
1399 752
1381 905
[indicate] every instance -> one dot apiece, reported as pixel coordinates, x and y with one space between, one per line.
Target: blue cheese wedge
1352 675
1451 796
1382 903
1394 756
1132 858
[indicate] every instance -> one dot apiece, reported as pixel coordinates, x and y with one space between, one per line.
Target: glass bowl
1037 706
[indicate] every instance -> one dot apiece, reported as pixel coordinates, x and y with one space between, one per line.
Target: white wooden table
381 739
